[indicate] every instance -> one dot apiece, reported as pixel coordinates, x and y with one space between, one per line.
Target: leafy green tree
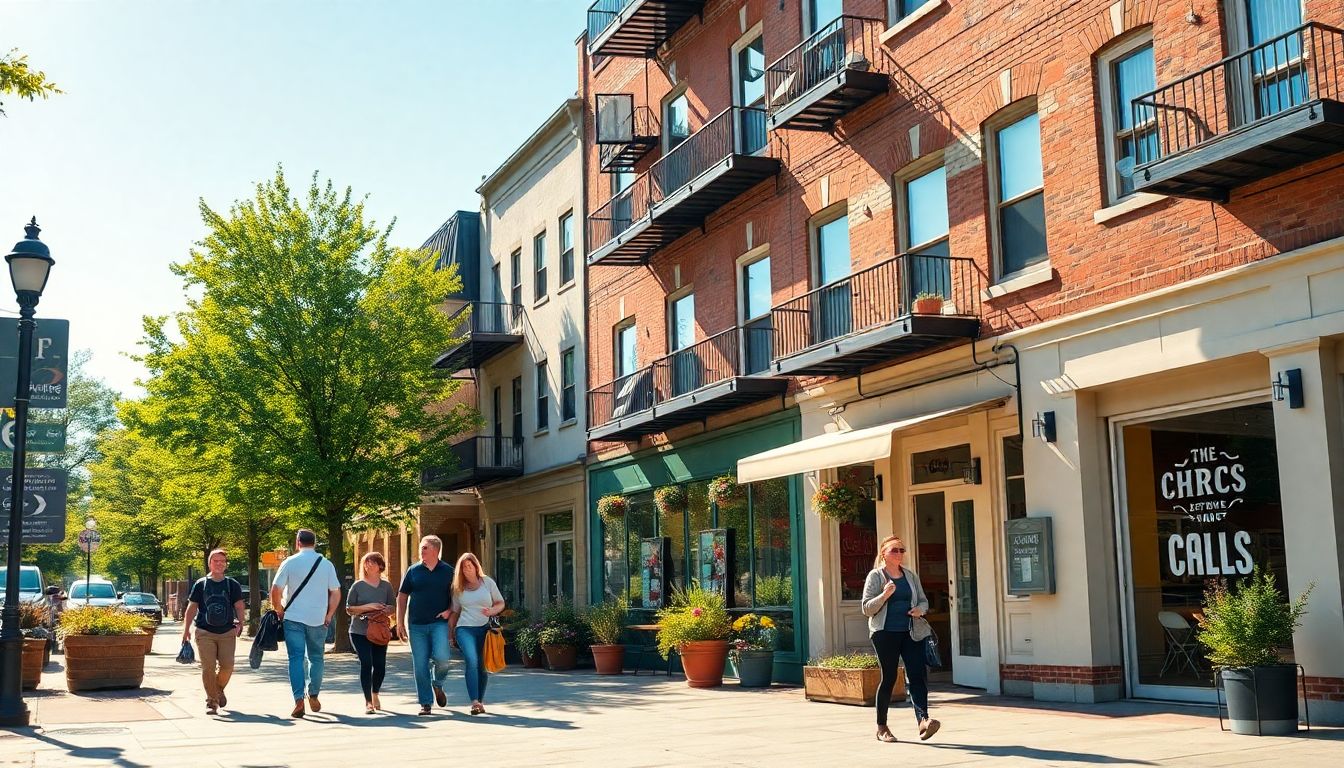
18 78
307 352
127 482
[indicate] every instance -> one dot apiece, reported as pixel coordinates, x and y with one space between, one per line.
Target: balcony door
517 398
628 395
621 208
497 450
685 363
756 329
1271 77
833 313
749 76
674 169
826 47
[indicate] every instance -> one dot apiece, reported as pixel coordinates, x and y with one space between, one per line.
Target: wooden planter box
34 656
847 686
104 661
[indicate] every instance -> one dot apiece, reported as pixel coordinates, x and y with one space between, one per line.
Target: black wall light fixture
1043 426
1287 385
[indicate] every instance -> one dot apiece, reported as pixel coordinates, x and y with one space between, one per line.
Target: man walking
305 594
428 588
215 606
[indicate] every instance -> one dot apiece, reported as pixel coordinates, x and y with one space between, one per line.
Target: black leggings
891 648
372 664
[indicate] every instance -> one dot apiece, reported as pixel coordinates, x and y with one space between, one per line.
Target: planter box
847 686
34 656
93 662
560 658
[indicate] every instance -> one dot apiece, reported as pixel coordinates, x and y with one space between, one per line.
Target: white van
96 591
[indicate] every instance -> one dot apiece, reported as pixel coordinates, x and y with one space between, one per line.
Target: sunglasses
896 550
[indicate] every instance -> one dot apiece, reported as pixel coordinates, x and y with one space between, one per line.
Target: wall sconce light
971 474
1288 386
873 488
480 531
1043 426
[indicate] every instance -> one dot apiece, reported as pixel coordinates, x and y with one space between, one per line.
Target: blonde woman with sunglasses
895 604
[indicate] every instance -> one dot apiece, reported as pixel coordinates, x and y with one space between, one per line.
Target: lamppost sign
43 505
43 436
51 351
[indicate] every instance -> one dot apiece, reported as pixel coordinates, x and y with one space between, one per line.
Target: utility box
1031 556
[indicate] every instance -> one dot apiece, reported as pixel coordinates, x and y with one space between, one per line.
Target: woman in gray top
895 604
370 596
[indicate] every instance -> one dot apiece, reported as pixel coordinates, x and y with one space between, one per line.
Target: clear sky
170 101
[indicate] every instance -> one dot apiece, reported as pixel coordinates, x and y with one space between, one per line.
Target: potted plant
838 500
928 303
753 650
612 508
33 620
528 640
724 491
670 499
511 620
697 625
1245 630
562 632
104 648
850 678
606 621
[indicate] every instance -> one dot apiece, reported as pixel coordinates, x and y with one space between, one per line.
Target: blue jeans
429 648
301 640
471 641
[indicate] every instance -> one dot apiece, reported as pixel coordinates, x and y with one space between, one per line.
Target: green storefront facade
763 520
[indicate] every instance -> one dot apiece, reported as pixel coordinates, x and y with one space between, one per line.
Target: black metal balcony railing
486 329
626 395
873 298
479 459
734 131
701 364
625 132
1289 71
620 213
646 24
490 317
848 43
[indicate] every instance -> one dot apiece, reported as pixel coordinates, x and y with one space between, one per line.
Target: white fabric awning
837 449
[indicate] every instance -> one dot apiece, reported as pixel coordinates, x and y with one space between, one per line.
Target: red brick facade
1050 673
951 71
1325 688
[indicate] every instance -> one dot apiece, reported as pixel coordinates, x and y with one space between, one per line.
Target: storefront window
509 561
1202 497
858 537
1014 478
557 543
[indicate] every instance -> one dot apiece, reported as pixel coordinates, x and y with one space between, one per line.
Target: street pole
28 284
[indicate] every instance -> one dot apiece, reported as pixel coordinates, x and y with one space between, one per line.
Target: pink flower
696 612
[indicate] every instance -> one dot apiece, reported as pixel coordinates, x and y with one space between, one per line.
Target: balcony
825 76
697 177
683 387
873 316
625 132
480 460
1271 108
491 328
636 27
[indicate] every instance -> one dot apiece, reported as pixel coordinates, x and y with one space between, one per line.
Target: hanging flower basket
612 508
724 491
670 499
837 501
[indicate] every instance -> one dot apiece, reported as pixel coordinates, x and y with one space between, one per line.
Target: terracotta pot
609 659
149 638
104 661
928 306
533 662
34 654
702 661
560 657
847 686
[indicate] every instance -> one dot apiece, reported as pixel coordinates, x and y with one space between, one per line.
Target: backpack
215 604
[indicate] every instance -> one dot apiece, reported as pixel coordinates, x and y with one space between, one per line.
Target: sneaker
314 704
298 709
440 697
426 710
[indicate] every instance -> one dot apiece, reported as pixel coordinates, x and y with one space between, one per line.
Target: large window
833 311
926 233
557 544
685 366
1126 71
567 387
756 297
509 560
625 358
567 248
900 9
543 397
516 274
1019 194
517 398
858 536
1014 478
822 12
539 266
676 121
749 72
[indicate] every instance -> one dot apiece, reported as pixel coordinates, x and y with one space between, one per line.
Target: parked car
32 587
97 591
144 604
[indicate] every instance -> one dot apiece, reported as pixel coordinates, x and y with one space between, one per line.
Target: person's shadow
108 755
518 721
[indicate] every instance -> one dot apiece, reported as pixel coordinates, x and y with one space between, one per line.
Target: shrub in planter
1245 629
511 621
847 679
612 508
33 622
562 632
528 640
606 621
698 626
927 303
753 650
104 648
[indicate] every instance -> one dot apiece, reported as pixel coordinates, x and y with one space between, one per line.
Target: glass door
751 131
686 368
948 566
557 541
833 313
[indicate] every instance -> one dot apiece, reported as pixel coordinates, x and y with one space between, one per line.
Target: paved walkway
578 718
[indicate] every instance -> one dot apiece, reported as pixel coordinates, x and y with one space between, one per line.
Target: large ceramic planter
532 662
104 661
755 669
703 661
560 658
847 686
608 659
149 638
1262 701
34 656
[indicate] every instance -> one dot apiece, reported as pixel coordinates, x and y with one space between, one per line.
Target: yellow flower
767 622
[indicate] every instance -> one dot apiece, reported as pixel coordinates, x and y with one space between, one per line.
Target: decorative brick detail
1325 688
1101 30
1050 673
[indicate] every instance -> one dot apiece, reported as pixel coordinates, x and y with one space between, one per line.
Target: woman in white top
475 599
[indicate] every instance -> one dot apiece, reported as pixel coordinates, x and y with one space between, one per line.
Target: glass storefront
1202 503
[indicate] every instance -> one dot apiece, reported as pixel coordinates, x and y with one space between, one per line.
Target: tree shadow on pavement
1051 756
108 755
520 721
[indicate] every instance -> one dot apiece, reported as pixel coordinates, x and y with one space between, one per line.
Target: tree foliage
20 79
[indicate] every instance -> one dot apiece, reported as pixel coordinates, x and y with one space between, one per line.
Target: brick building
1122 219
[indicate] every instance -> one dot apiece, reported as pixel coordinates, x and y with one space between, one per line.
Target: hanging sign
51 350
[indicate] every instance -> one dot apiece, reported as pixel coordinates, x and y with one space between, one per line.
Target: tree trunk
336 553
253 578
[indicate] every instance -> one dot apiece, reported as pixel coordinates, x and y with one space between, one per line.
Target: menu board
1031 564
716 559
655 571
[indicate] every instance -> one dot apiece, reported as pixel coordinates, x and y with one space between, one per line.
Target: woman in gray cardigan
895 603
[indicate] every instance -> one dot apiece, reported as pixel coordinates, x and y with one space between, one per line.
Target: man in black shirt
215 607
428 589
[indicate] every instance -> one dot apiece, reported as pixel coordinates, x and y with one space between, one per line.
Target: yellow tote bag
493 653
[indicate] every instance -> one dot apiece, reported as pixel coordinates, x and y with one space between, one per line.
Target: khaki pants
216 656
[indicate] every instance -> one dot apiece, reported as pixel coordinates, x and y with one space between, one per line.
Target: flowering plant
528 638
612 508
560 634
670 499
562 625
754 633
725 491
695 614
837 501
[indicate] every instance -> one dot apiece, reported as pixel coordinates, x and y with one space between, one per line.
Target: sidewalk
581 719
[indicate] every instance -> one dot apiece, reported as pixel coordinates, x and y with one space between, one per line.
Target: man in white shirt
306 613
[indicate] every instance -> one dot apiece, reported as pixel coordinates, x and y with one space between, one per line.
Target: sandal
927 728
884 734
368 708
478 709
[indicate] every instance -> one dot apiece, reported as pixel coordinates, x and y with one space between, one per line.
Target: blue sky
170 101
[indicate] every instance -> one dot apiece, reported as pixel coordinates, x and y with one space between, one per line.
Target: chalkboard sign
1031 561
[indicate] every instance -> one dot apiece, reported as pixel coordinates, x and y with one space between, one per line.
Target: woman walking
475 600
895 604
370 597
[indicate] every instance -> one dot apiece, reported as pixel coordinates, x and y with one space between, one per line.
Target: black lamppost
29 265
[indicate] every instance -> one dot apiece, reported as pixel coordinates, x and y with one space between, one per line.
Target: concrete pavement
580 719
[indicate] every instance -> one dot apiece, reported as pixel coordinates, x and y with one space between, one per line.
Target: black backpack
215 604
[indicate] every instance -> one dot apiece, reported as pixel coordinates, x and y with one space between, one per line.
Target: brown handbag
378 629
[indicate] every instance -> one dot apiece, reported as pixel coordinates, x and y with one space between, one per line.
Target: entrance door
948 566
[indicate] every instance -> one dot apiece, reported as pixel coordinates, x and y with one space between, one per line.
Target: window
516 267
749 73
900 9
567 248
625 349
557 544
1019 194
685 360
1126 71
543 398
509 561
1014 478
833 310
496 284
539 266
676 121
517 397
567 390
756 298
926 234
681 322
821 13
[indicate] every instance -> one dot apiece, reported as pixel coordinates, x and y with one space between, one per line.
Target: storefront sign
1031 562
655 571
716 560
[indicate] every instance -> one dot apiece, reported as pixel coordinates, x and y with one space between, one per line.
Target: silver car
95 592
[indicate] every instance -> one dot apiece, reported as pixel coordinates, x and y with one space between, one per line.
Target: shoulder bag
269 628
493 654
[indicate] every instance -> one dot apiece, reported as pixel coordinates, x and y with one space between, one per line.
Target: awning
838 449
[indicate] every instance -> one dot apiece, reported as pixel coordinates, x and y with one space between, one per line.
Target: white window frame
827 215
990 134
1106 85
670 314
676 93
540 280
616 331
516 267
542 396
520 546
566 254
572 353
916 170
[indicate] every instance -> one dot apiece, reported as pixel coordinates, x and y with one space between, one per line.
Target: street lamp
29 265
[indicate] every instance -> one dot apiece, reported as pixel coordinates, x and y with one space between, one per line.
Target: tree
127 483
18 78
307 351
